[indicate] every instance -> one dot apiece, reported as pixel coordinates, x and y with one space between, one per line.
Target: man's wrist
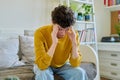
52 49
74 44
54 44
74 50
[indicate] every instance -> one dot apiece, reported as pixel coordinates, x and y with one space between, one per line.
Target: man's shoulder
44 28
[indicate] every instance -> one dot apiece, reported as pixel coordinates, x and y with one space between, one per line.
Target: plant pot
80 17
87 17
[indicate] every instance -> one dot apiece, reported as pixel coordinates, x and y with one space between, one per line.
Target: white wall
102 19
17 15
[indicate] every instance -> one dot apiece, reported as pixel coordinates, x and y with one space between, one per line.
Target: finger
71 30
55 28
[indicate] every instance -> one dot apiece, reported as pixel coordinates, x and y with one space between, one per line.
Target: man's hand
72 35
54 40
54 34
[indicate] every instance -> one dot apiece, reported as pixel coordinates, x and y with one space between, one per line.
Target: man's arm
42 57
54 40
76 57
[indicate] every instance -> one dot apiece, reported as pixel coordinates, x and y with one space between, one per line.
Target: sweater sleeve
76 62
42 59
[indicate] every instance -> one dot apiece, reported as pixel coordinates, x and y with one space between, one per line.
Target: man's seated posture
57 48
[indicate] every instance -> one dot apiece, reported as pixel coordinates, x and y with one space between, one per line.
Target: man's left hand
72 35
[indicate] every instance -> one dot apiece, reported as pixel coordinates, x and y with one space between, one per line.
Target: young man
57 48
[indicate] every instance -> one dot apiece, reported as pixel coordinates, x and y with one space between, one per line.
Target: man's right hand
54 34
54 40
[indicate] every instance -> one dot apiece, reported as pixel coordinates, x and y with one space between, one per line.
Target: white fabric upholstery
27 48
29 32
8 53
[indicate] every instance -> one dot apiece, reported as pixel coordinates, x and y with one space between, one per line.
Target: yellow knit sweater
42 43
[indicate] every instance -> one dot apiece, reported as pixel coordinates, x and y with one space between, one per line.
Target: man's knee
78 71
43 74
82 70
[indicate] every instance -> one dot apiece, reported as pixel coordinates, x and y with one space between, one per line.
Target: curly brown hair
63 16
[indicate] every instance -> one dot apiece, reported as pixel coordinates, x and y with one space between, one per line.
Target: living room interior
20 18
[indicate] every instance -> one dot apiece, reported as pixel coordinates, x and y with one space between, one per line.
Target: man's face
62 31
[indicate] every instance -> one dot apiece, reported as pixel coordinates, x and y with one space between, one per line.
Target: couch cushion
23 72
27 48
8 53
90 69
29 32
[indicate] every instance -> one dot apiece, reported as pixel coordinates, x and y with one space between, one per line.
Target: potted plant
77 8
11 78
87 11
74 7
117 28
80 16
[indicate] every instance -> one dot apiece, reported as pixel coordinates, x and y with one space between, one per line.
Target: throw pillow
90 69
27 48
28 32
8 53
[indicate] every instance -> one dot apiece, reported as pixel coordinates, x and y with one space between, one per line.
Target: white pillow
27 48
8 53
29 32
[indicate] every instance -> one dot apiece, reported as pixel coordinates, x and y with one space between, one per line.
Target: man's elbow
42 66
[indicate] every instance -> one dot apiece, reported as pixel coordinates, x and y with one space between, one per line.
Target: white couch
17 57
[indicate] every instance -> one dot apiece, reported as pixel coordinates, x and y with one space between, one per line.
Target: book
117 2
105 1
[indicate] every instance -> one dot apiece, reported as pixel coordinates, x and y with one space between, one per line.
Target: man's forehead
63 28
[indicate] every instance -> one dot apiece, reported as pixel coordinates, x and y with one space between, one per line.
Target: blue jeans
66 71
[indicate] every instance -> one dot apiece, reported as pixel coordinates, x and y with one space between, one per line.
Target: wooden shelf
85 22
82 1
113 8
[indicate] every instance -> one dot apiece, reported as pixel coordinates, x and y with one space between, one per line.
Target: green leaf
117 28
75 6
